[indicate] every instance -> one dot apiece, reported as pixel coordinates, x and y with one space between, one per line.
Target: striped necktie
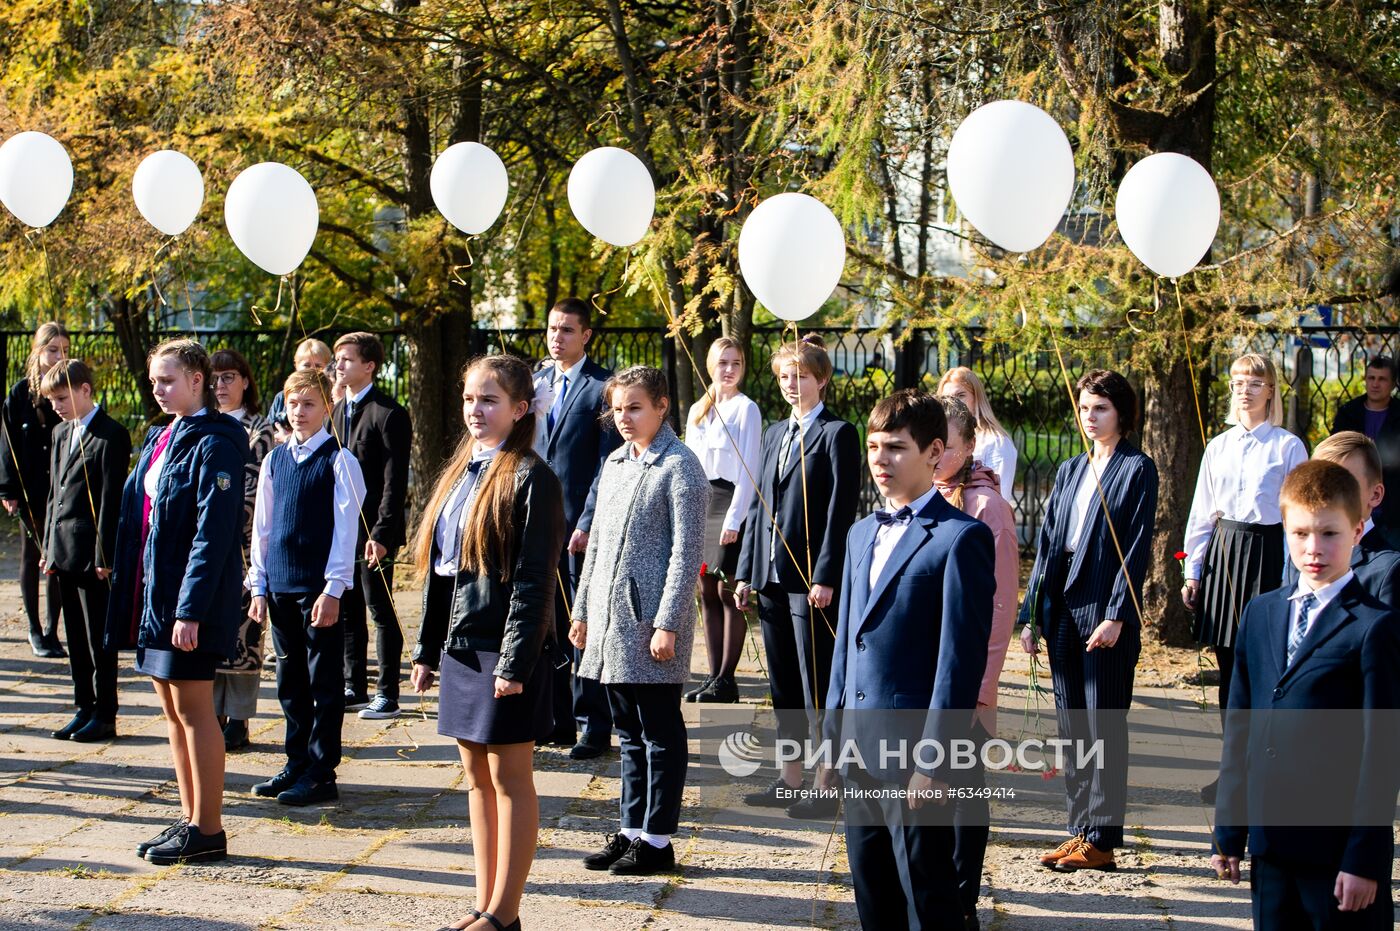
1299 628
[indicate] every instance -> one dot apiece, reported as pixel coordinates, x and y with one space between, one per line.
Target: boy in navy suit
915 616
1323 645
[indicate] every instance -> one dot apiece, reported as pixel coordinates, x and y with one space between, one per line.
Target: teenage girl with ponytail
972 488
177 584
490 553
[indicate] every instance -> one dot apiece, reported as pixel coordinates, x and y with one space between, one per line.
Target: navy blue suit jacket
578 444
1348 660
830 456
1375 562
918 638
1095 587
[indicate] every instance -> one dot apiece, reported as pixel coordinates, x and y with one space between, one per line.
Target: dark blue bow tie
902 516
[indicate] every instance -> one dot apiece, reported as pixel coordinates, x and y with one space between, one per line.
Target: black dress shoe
695 692
721 690
277 784
821 807
308 792
562 738
235 735
613 849
587 748
36 644
177 827
82 717
190 846
770 797
642 859
46 647
94 730
54 648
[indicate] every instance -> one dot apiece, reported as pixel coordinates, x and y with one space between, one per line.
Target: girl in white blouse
994 449
1234 534
724 432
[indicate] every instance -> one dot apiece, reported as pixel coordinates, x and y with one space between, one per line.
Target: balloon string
626 265
29 235
455 272
185 282
281 284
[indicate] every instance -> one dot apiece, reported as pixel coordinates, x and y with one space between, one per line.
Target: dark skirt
1242 561
468 708
720 558
176 664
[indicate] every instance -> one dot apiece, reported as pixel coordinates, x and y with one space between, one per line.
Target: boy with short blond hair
310 354
1322 645
1375 562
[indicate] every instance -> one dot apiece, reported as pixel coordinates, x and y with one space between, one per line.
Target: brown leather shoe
1086 857
1062 851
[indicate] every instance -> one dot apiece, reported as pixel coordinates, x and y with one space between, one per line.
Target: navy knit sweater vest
303 519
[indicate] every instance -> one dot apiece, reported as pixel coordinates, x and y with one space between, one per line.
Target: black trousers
652 736
372 589
29 580
1291 898
904 875
1225 663
797 644
310 684
579 702
1092 693
84 597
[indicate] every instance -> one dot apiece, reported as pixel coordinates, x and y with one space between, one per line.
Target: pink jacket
982 499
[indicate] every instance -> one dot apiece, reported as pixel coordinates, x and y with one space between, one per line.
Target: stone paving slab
395 852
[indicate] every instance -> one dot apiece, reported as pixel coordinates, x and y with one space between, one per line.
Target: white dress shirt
552 376
1086 497
76 435
349 495
887 536
1240 478
728 444
151 480
447 532
998 453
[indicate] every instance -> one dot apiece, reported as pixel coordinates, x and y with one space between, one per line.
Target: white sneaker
381 709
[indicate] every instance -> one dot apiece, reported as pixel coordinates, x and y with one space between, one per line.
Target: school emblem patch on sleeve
223 481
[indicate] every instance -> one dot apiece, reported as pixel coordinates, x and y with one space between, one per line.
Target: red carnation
703 567
1179 554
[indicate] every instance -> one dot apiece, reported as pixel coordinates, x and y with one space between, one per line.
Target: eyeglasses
226 378
1251 385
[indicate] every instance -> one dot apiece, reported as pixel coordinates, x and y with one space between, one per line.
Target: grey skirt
720 558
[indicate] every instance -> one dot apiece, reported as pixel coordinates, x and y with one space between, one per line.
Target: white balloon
1011 172
272 215
612 195
791 253
168 190
1168 211
36 177
469 186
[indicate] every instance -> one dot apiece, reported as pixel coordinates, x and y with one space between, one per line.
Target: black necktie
902 516
785 454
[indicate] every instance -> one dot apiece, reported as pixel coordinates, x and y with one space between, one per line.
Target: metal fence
1319 366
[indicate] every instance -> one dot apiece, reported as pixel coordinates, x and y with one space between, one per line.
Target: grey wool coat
642 563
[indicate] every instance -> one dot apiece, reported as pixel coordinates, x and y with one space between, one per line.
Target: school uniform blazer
579 444
85 495
1375 562
1093 584
381 439
192 564
1348 660
513 618
832 494
1352 416
917 639
24 452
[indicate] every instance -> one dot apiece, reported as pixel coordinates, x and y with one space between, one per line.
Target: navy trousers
652 737
1092 693
310 684
372 590
1293 898
904 875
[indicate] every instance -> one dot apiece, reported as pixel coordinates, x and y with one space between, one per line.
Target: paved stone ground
395 852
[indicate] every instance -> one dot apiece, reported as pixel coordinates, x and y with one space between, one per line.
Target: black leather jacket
515 618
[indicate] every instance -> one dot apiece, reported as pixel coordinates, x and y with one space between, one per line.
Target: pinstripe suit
1068 596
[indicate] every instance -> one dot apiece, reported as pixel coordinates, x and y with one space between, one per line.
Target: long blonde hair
47 333
489 534
717 348
981 408
1253 365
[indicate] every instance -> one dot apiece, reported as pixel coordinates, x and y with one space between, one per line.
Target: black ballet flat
496 923
475 915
